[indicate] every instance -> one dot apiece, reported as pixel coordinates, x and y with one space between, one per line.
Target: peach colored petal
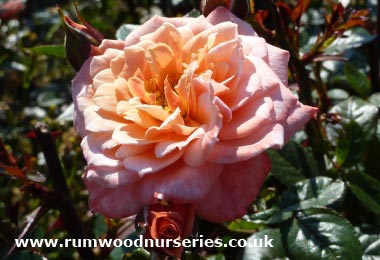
141 118
155 111
198 24
171 97
95 120
224 110
117 64
121 89
136 87
147 162
163 61
248 86
249 118
221 14
235 150
104 76
235 189
130 134
100 62
95 156
112 202
179 183
126 150
105 97
167 35
81 88
229 52
298 117
255 46
197 152
135 61
166 147
174 123
278 61
210 37
111 177
112 44
152 25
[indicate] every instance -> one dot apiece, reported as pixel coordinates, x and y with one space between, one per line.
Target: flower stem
55 173
301 75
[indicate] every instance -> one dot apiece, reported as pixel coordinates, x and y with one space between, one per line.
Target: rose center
168 229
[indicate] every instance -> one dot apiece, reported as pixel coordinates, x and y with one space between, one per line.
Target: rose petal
113 203
221 14
278 61
235 150
235 189
192 182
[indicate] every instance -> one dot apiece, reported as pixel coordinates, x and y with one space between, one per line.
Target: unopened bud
81 39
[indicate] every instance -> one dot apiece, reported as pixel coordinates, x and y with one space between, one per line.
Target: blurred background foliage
322 198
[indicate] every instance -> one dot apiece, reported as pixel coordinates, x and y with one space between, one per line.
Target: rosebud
174 222
81 39
240 8
11 9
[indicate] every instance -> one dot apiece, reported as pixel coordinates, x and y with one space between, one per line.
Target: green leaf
358 110
100 226
320 233
293 163
351 146
369 237
337 94
193 13
243 226
262 216
270 217
365 115
375 99
216 257
314 192
357 80
366 189
125 30
354 38
263 253
138 254
51 50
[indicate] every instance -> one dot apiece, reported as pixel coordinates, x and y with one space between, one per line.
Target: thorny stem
301 75
55 173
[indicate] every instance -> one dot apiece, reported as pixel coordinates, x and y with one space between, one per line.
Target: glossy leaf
125 30
243 226
369 237
217 257
320 233
138 254
52 50
292 163
354 38
270 217
366 189
351 146
275 252
314 192
358 110
357 80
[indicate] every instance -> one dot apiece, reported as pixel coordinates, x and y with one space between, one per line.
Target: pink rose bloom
185 108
